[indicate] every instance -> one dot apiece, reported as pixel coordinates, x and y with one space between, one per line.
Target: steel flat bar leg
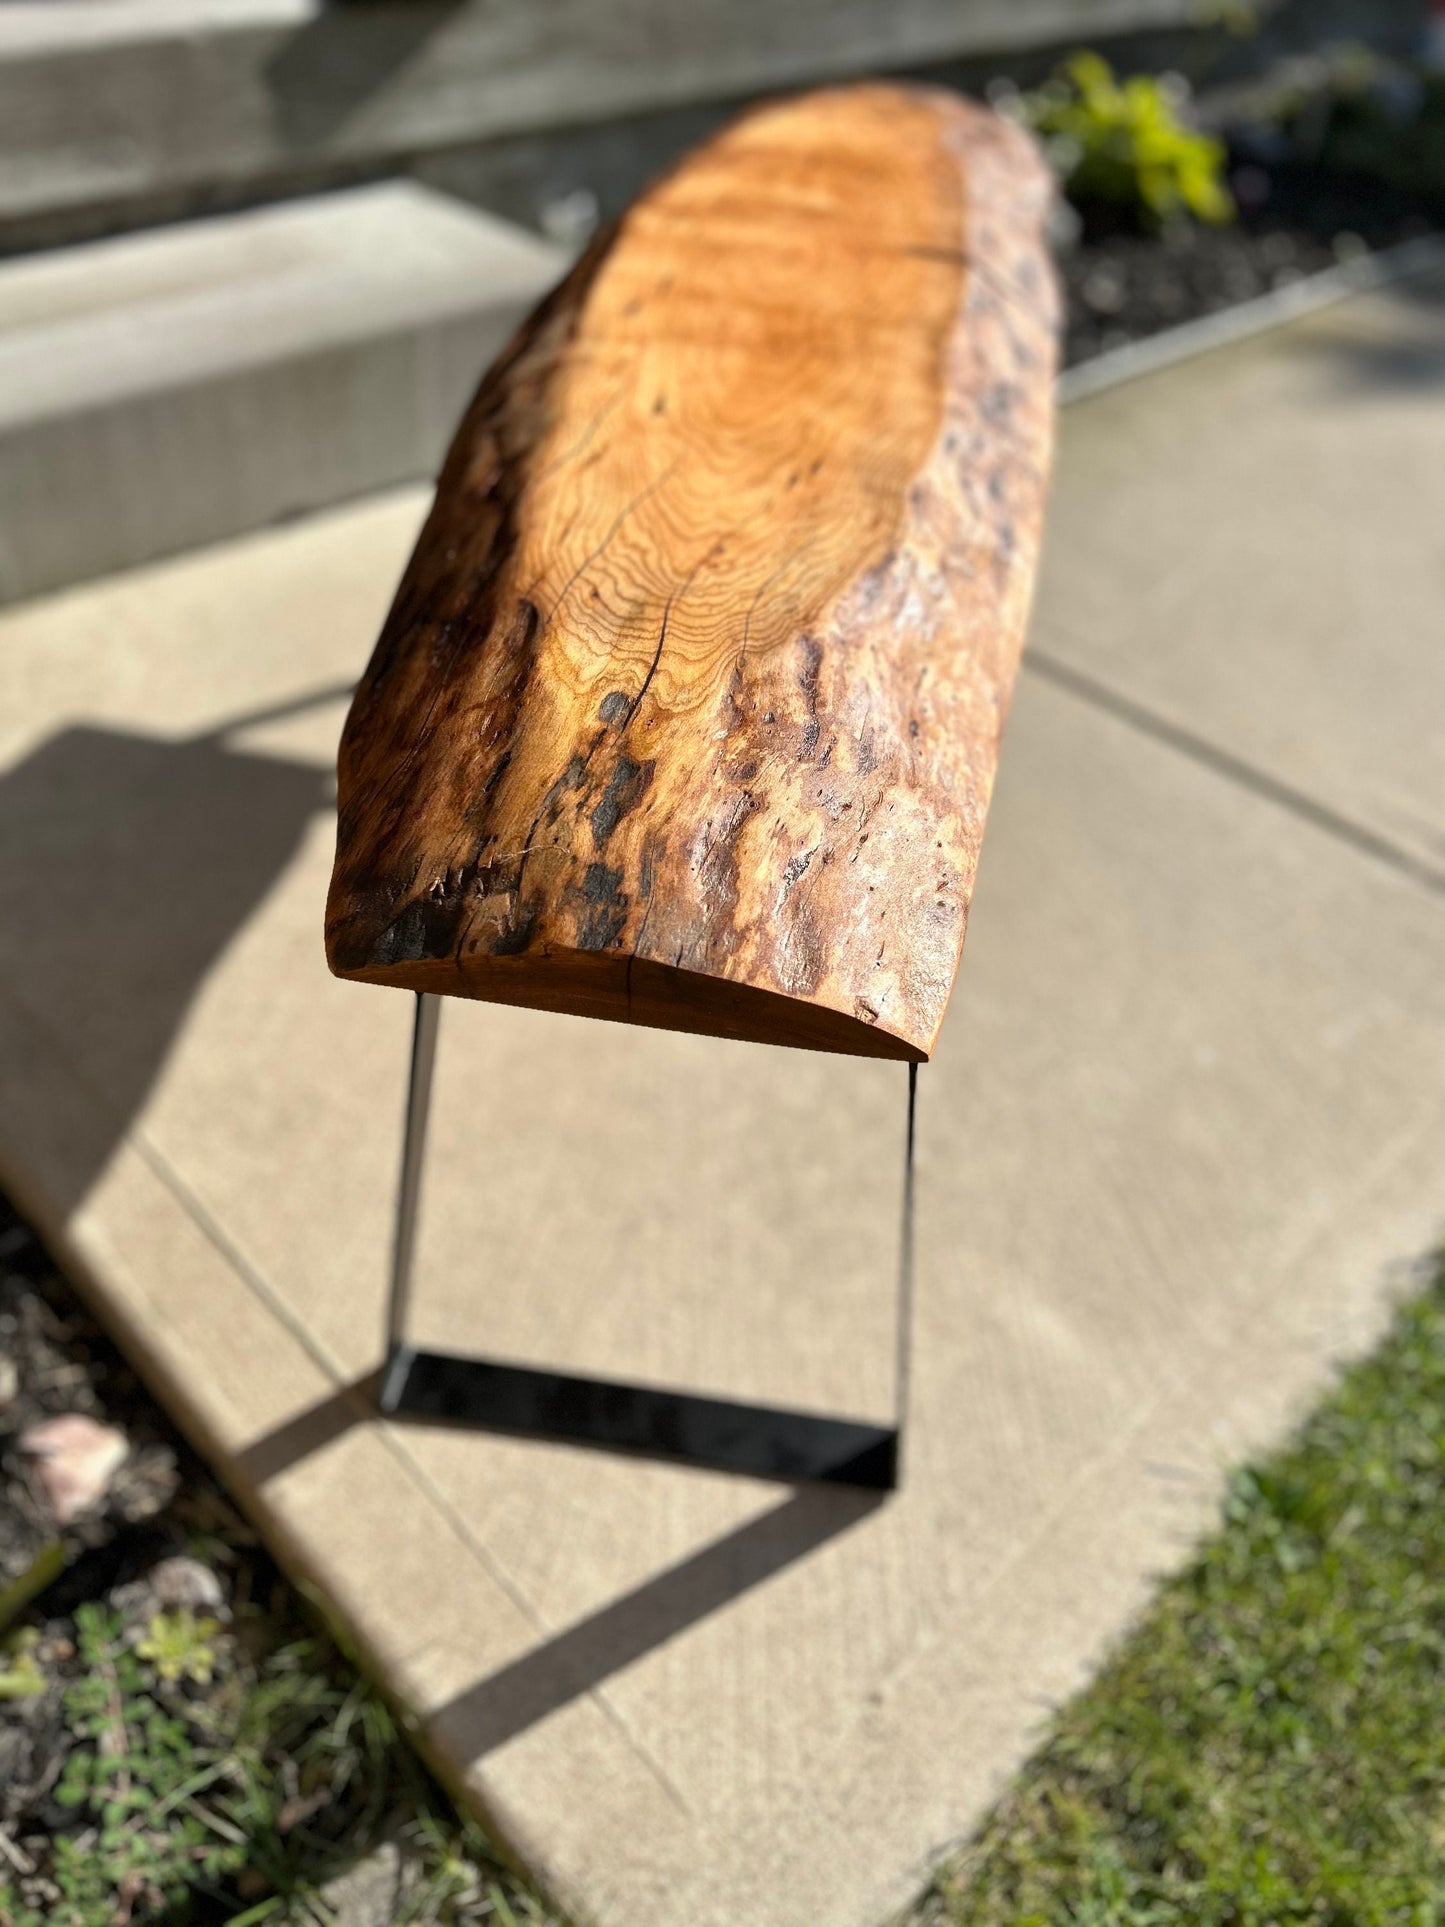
904 1340
760 1441
418 1103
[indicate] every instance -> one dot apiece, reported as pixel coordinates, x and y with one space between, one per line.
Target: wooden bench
688 708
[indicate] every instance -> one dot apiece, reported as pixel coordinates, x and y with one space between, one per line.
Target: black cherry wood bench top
688 707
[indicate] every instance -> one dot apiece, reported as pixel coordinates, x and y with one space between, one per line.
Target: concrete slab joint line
1233 768
1290 639
685 1700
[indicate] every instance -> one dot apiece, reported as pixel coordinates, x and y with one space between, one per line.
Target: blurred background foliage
1126 142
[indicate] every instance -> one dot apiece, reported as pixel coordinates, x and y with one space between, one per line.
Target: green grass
1268 1746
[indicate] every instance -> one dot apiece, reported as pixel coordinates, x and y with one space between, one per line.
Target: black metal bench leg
761 1441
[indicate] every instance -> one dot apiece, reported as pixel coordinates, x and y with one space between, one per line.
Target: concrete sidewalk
1179 1149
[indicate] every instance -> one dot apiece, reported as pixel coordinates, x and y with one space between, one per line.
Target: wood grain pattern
688 707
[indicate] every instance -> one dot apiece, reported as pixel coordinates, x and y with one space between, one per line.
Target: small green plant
20 1674
1124 142
43 1570
180 1646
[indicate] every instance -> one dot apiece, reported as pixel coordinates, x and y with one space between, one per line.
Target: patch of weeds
1266 1749
211 1773
180 1742
143 1752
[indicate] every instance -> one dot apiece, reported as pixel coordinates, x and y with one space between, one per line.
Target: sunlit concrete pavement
1180 1149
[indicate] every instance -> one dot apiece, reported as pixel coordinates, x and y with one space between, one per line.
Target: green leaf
180 1646
44 1569
1126 143
22 1681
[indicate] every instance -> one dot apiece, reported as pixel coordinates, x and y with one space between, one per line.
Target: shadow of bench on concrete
129 863
582 1656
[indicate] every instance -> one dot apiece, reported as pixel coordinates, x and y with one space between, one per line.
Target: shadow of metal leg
768 1442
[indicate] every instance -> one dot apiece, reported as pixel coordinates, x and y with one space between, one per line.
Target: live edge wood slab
688 707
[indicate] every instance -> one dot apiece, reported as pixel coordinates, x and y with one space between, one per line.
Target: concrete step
171 388
169 102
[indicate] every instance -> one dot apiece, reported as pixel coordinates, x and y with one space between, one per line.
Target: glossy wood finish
688 708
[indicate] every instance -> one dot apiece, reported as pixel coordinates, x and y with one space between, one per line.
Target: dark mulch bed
1123 285
53 1361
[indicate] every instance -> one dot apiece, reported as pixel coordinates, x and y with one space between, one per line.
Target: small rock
1104 290
174 1584
180 1581
74 1459
369 1893
571 219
